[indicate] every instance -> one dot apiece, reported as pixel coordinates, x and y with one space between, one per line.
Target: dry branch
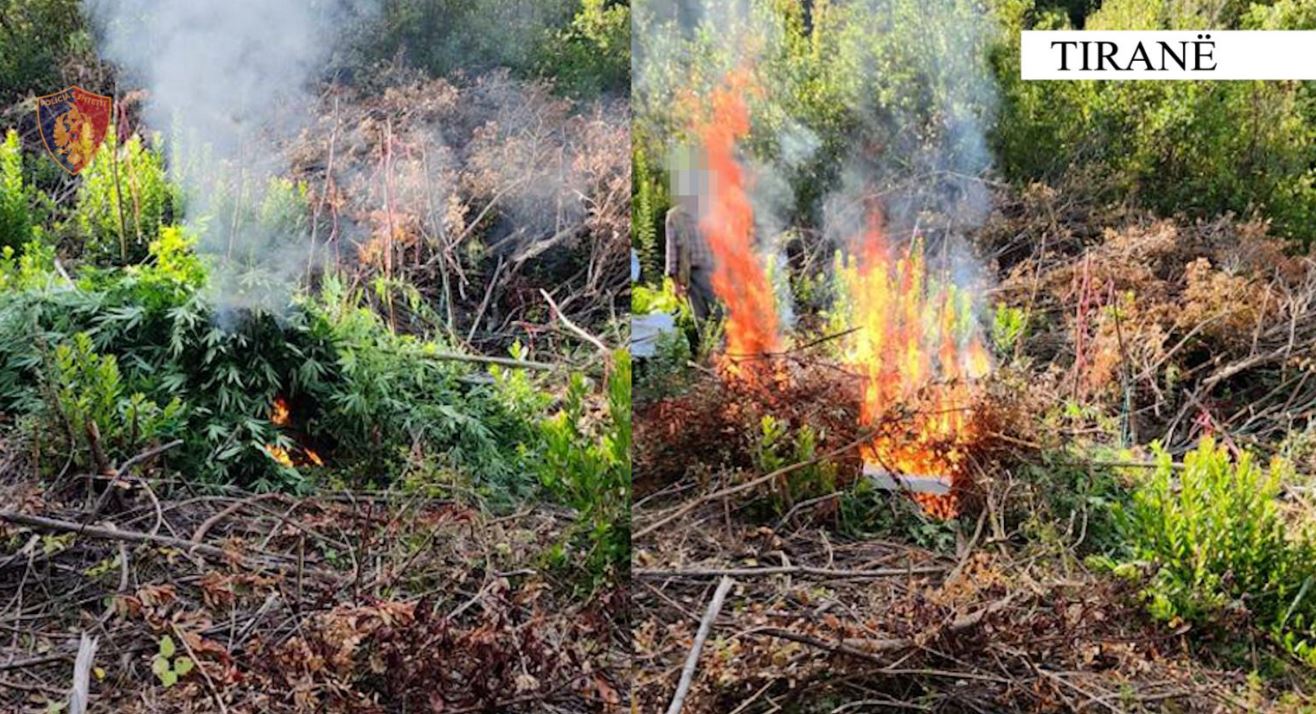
856 574
692 661
267 560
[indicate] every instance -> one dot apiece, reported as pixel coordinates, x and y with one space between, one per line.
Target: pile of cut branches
813 618
229 601
1179 328
481 191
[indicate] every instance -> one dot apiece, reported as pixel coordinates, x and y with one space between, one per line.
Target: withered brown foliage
351 602
480 190
714 424
977 632
1197 326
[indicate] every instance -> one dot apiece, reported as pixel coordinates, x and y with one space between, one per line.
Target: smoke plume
229 83
908 95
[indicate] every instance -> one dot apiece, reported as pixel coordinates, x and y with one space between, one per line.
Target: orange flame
280 412
280 454
300 455
916 346
739 278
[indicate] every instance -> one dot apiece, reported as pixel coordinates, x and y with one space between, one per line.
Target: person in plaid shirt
689 259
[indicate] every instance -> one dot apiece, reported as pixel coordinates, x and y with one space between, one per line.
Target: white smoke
920 151
682 51
911 94
229 83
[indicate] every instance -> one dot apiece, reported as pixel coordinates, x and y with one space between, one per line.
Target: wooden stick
118 192
484 304
200 533
789 570
200 667
273 560
145 455
574 327
80 697
692 660
485 359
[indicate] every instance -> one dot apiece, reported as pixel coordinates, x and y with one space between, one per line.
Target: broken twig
692 661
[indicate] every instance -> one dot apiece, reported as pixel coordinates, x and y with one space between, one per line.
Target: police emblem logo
73 124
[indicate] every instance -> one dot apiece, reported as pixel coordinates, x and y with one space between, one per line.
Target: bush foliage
1219 549
37 39
842 75
144 341
15 216
590 469
582 44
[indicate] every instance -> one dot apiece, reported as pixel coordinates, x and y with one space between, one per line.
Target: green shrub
100 419
1009 328
777 446
646 300
1217 546
367 397
865 512
382 394
37 40
667 373
592 54
121 208
440 36
591 471
15 219
1069 501
648 208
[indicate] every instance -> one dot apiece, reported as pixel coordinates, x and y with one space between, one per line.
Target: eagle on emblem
73 124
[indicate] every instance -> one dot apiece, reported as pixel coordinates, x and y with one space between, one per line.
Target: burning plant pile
910 342
873 499
920 350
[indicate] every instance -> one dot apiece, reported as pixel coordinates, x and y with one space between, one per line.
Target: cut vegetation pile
349 601
1085 572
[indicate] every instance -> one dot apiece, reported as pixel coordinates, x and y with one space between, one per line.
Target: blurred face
689 180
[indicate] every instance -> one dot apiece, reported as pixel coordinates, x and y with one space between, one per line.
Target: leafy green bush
592 472
37 39
648 207
440 36
125 198
1009 328
381 394
778 445
1217 546
1069 501
103 424
865 511
592 54
666 373
15 219
368 398
646 300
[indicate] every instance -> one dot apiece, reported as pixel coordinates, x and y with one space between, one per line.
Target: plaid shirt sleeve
701 254
672 237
